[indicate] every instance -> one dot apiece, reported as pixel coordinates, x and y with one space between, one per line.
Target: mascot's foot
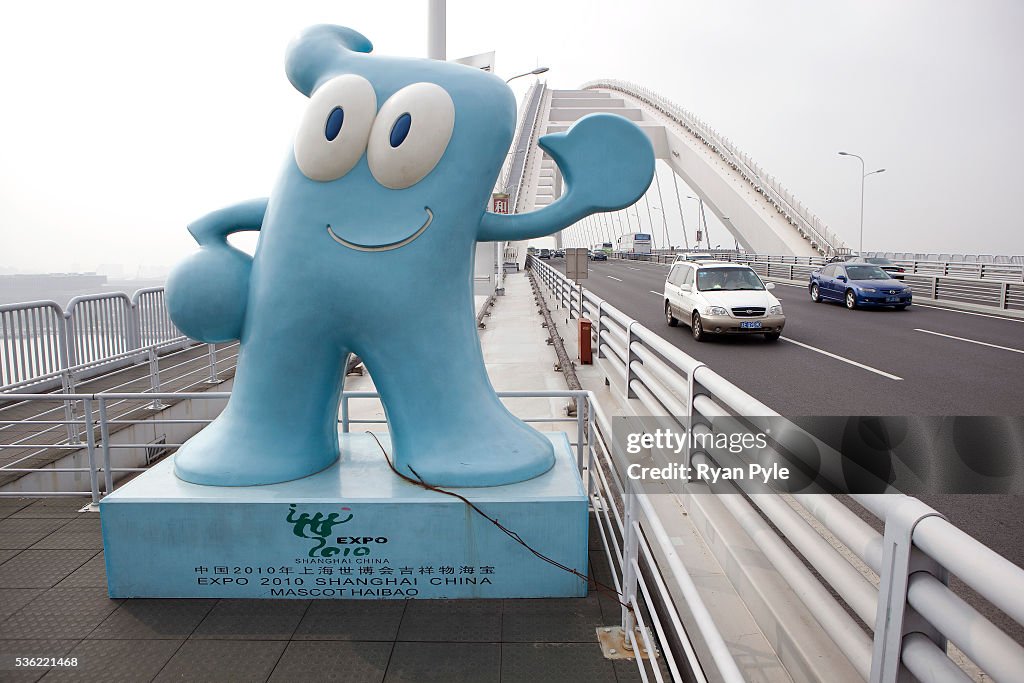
228 454
489 456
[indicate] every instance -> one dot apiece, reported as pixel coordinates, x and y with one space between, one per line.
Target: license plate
754 325
892 298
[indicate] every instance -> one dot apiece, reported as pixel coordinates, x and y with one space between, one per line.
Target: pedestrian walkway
53 600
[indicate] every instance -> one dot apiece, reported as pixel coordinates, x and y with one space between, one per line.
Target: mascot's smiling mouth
384 247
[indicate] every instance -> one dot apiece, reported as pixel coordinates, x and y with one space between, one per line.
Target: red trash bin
586 355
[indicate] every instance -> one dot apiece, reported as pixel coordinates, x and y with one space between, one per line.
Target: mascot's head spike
315 53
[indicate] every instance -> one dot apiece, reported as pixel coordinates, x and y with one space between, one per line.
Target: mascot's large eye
335 128
410 135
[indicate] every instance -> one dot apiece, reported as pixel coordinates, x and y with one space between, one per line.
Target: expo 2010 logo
319 528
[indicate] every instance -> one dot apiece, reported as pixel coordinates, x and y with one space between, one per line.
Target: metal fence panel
154 321
99 326
40 342
32 341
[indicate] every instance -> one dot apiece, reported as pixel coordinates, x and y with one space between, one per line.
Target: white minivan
722 298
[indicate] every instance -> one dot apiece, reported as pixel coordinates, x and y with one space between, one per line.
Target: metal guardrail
997 272
1006 272
812 228
903 625
991 291
34 341
633 538
43 345
953 258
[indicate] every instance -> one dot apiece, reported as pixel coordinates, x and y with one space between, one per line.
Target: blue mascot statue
366 246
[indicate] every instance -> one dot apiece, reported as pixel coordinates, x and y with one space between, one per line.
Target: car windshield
727 279
866 273
879 261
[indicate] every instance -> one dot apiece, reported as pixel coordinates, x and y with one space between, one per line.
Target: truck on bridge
634 243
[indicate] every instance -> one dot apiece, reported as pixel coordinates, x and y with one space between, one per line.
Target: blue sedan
858 285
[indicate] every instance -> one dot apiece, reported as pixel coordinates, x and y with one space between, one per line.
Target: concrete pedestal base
355 530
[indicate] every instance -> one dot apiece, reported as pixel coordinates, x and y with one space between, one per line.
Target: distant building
59 287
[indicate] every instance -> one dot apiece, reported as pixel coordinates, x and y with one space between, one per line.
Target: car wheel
815 294
902 307
672 321
697 328
772 336
851 299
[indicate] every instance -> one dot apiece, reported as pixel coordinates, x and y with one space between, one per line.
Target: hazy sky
121 122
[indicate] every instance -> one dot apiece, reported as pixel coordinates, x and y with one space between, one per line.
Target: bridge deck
53 603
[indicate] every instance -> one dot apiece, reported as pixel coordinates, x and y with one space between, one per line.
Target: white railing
99 326
511 256
34 341
810 226
911 617
525 143
40 342
1004 272
154 323
952 258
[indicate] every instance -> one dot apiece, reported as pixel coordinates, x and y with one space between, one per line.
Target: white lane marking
955 310
656 293
613 278
844 360
632 268
970 341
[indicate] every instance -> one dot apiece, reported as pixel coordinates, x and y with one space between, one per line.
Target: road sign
576 264
499 202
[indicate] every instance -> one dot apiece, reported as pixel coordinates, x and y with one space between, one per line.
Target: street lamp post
436 38
701 218
863 177
664 226
536 72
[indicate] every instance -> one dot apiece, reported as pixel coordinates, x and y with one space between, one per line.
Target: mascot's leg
446 422
281 422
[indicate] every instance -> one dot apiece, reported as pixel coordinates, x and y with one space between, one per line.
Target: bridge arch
757 210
